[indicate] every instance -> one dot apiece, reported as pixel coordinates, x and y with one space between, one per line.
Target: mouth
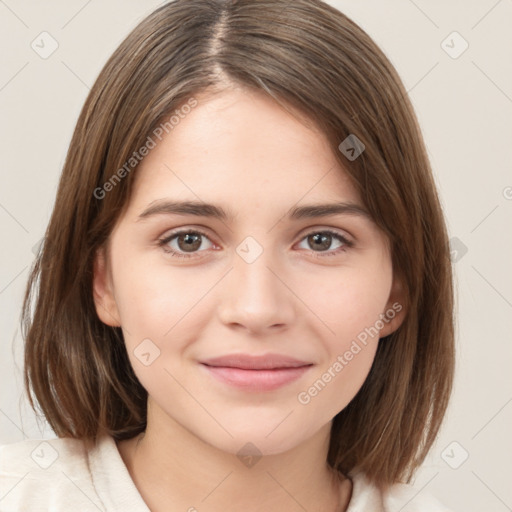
256 373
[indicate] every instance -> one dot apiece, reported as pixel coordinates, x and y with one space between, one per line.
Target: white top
63 475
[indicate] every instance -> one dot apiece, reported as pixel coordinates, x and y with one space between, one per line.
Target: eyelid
305 232
328 229
335 232
166 239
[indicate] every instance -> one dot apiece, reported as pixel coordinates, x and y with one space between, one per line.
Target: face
261 324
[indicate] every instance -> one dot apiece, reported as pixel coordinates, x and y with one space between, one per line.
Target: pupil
322 239
191 241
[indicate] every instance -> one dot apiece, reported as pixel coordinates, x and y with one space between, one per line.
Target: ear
103 290
395 312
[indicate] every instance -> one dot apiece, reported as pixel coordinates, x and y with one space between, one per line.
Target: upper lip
253 362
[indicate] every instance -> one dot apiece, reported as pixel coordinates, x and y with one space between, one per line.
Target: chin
255 444
254 439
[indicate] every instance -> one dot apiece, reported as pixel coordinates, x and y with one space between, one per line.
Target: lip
255 362
256 373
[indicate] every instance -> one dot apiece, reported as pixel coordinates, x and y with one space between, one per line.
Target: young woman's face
260 326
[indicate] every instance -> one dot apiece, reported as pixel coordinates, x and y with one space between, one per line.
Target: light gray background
465 109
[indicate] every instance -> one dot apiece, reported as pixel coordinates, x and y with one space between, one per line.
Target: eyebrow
201 209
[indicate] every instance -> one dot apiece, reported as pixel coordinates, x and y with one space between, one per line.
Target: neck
172 468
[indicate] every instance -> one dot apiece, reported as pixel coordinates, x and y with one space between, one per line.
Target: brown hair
311 57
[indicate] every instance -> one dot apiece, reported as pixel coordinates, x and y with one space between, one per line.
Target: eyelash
317 254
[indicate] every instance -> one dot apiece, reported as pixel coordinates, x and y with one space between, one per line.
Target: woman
244 297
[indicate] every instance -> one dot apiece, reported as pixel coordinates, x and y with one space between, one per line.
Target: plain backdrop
463 98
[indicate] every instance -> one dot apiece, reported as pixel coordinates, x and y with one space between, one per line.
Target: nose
256 297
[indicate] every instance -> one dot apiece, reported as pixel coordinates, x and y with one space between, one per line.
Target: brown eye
189 242
321 242
183 242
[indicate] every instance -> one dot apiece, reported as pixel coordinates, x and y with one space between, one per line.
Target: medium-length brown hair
309 56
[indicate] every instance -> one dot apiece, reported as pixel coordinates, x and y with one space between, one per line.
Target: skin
242 151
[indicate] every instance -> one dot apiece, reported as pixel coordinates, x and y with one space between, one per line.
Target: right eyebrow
197 208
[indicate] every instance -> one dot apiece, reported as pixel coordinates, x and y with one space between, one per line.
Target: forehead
242 149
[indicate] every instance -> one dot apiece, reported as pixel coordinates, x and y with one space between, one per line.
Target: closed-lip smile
256 373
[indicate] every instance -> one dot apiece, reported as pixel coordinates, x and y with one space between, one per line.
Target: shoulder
40 454
403 497
41 474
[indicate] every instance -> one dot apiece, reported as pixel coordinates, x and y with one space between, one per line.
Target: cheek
338 382
350 345
162 313
349 301
152 299
349 305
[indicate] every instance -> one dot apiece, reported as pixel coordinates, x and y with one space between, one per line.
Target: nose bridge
252 273
257 298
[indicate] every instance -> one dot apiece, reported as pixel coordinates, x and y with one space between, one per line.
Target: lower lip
256 380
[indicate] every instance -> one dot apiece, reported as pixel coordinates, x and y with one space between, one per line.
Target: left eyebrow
201 209
323 210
